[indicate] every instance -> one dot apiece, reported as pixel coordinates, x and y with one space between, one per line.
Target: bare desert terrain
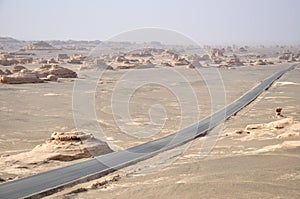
256 154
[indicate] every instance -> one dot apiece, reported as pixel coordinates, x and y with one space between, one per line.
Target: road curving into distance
51 181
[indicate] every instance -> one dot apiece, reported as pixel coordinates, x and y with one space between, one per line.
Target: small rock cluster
47 72
8 59
288 56
39 45
76 59
54 69
125 62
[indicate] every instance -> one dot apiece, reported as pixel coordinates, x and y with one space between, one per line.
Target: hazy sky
206 21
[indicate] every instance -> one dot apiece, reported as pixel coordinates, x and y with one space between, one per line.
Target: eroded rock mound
180 61
62 57
47 72
53 69
140 53
233 61
63 146
279 124
62 72
242 50
66 146
76 59
40 45
24 76
279 129
8 59
18 68
215 52
57 151
260 62
204 57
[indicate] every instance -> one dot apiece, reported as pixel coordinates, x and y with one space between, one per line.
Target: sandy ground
31 112
259 163
255 165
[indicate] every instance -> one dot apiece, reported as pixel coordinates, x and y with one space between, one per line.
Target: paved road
46 182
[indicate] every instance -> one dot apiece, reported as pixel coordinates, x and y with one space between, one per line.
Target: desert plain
253 154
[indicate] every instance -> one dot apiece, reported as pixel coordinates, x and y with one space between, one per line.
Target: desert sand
256 154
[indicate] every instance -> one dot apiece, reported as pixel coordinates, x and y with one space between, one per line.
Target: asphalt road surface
50 181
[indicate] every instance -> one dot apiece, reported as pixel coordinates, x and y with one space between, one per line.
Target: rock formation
40 45
166 64
204 58
260 62
67 146
24 76
121 59
122 62
241 50
279 124
175 57
76 59
53 69
7 72
146 64
18 68
286 56
190 66
62 57
141 53
8 59
216 52
233 61
52 78
55 152
62 72
180 62
278 112
48 72
51 61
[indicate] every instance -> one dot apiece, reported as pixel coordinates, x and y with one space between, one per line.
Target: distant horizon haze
205 22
